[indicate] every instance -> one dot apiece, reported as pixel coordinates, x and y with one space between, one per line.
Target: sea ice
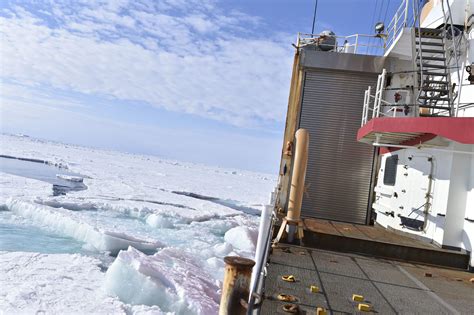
71 178
65 222
242 238
33 283
194 214
171 279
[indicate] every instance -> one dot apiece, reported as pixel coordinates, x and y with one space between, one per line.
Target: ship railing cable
372 23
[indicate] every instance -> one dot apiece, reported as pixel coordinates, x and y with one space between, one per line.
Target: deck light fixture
379 28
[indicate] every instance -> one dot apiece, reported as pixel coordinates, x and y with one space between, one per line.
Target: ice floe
171 279
33 283
242 238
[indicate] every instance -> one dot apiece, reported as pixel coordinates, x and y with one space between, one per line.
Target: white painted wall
452 195
468 230
457 197
415 186
458 10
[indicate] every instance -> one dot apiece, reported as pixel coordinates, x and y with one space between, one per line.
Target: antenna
314 16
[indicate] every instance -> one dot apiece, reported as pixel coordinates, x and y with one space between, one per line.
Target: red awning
397 130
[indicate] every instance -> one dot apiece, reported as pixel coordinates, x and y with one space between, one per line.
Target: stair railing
419 84
398 22
448 22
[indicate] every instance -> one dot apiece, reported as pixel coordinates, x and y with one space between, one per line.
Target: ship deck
388 286
377 241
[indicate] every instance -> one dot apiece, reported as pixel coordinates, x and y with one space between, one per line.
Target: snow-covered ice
173 222
76 179
171 278
61 283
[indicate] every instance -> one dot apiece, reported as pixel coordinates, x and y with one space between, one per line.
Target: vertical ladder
435 96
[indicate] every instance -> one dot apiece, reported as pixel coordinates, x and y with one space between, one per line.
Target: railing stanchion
406 13
368 102
356 43
364 110
374 112
382 85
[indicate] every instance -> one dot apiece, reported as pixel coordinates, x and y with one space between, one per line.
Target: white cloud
184 56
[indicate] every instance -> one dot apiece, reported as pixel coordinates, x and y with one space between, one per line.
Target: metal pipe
299 174
369 90
260 271
406 13
382 85
428 196
364 110
265 222
235 288
458 101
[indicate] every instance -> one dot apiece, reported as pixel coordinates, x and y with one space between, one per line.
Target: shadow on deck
377 241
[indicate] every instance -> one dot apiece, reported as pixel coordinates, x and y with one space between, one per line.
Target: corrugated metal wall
339 173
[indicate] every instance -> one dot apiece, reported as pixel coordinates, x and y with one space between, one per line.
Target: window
390 174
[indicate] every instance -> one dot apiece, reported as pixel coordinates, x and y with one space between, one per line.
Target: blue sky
201 81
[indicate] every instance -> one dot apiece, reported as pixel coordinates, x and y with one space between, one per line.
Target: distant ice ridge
64 222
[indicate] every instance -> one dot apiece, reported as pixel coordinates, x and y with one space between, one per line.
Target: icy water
40 171
17 235
178 234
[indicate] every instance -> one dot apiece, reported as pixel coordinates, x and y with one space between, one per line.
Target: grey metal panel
340 61
339 173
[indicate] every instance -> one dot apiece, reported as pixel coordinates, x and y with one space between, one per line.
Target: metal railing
405 16
448 22
377 99
398 22
374 104
261 257
355 44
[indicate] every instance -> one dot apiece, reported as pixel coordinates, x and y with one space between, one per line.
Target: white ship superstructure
421 117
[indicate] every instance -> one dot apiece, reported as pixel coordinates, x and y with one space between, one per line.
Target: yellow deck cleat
321 311
314 289
363 307
288 278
